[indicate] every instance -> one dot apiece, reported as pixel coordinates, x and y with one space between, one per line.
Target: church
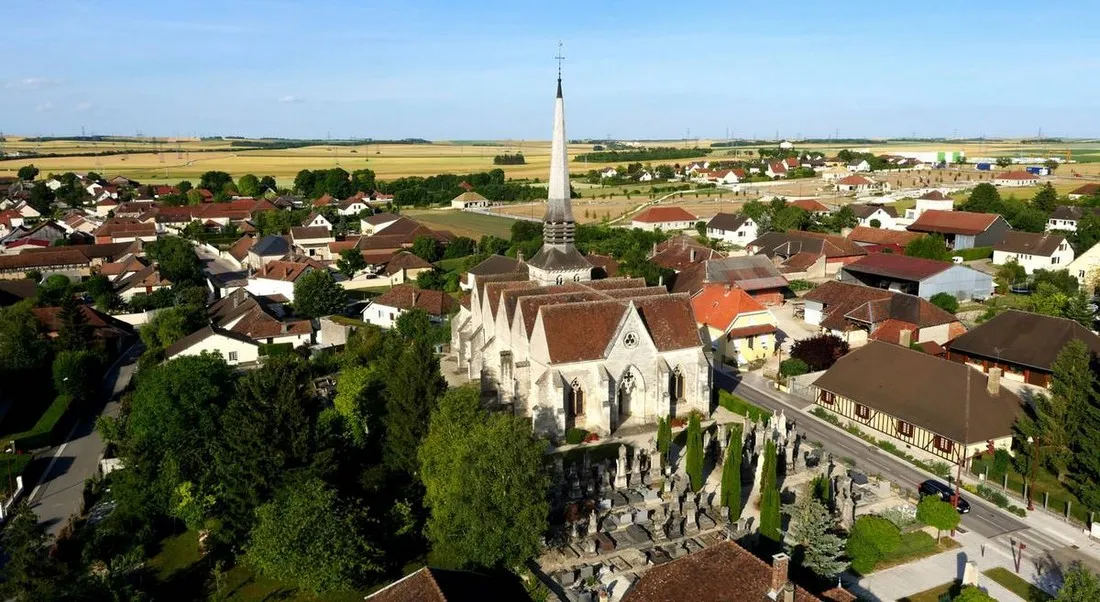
567 351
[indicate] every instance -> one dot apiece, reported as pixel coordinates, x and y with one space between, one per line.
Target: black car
945 492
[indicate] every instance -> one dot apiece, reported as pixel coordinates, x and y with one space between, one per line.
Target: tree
29 573
413 385
664 440
1059 279
268 183
176 260
1077 309
74 333
357 387
428 248
1009 274
492 245
194 197
770 520
1079 584
1046 199
170 325
309 537
461 246
27 173
350 262
811 529
983 199
928 247
1029 219
973 593
185 186
945 301
484 484
364 345
305 183
876 223
23 348
820 352
694 457
215 181
937 513
317 294
846 218
871 539
248 185
41 198
730 494
1004 161
76 374
1047 300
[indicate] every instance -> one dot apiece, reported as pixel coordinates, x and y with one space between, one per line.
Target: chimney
906 338
519 256
660 280
993 382
728 288
788 592
779 572
654 248
692 256
284 327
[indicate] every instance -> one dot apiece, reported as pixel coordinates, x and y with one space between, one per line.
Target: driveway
791 328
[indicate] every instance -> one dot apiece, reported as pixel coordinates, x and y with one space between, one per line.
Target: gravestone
842 499
620 469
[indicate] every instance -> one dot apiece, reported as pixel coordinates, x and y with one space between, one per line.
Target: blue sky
484 69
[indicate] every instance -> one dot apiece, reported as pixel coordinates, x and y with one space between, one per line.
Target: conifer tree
730 495
770 521
694 460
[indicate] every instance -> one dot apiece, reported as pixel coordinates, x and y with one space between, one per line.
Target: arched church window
560 279
676 384
576 398
576 278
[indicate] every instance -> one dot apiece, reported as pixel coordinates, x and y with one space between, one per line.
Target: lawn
1045 482
183 574
737 405
465 223
943 593
1017 585
914 546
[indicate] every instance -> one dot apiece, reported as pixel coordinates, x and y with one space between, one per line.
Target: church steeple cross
559 58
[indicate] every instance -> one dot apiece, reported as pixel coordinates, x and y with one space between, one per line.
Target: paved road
984 519
57 496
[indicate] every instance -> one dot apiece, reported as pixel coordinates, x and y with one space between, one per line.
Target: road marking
46 473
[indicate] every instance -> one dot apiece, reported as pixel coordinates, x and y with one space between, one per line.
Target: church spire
558 224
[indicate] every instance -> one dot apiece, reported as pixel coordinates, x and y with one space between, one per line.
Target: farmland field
464 223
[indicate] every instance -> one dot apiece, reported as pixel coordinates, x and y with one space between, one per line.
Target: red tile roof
406 296
898 266
878 236
1016 175
811 205
1086 190
934 195
287 271
658 215
953 222
854 180
719 305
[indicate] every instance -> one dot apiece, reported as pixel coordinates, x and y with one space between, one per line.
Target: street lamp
1031 441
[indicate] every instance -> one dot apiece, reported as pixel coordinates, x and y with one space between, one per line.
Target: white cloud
289 98
83 106
32 83
44 107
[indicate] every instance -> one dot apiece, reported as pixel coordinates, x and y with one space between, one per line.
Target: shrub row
998 498
738 405
974 254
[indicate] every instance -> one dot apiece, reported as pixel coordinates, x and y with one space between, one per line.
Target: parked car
945 491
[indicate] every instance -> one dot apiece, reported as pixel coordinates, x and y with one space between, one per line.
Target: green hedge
793 367
48 428
738 405
974 254
276 349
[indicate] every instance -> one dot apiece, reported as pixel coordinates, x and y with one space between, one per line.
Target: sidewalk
914 577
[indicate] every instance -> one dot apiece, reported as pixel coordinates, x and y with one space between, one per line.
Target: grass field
944 592
178 159
464 223
1017 585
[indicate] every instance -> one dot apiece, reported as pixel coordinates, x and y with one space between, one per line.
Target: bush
974 254
739 406
574 436
793 367
1001 461
872 538
801 285
820 352
276 349
945 301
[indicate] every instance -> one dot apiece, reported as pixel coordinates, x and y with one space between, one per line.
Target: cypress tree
770 521
730 496
694 458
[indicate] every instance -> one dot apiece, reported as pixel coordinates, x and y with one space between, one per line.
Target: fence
801 386
6 507
1059 503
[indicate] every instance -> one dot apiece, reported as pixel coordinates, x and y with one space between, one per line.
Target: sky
481 70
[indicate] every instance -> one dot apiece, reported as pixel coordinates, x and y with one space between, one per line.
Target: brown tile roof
811 205
287 271
1024 338
678 257
606 264
727 221
902 267
380 218
864 211
44 258
670 321
878 236
102 325
529 305
406 296
854 180
1016 241
578 332
1087 190
724 572
122 227
843 302
498 264
437 585
923 390
404 260
934 195
1016 175
658 215
239 250
795 241
954 222
310 233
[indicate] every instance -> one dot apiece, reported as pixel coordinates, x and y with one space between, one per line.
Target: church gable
578 332
631 340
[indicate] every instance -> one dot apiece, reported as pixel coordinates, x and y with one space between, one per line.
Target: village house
234 348
76 261
1033 251
962 229
925 404
430 584
1013 179
316 220
1086 268
918 276
776 169
880 240
403 267
312 241
860 165
110 333
1083 191
1065 217
371 225
679 252
933 200
728 177
1021 344
269 248
800 254
121 229
754 274
353 205
714 573
858 314
470 200
737 327
811 206
732 228
665 218
856 183
608 172
261 319
278 277
384 310
875 216
144 281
